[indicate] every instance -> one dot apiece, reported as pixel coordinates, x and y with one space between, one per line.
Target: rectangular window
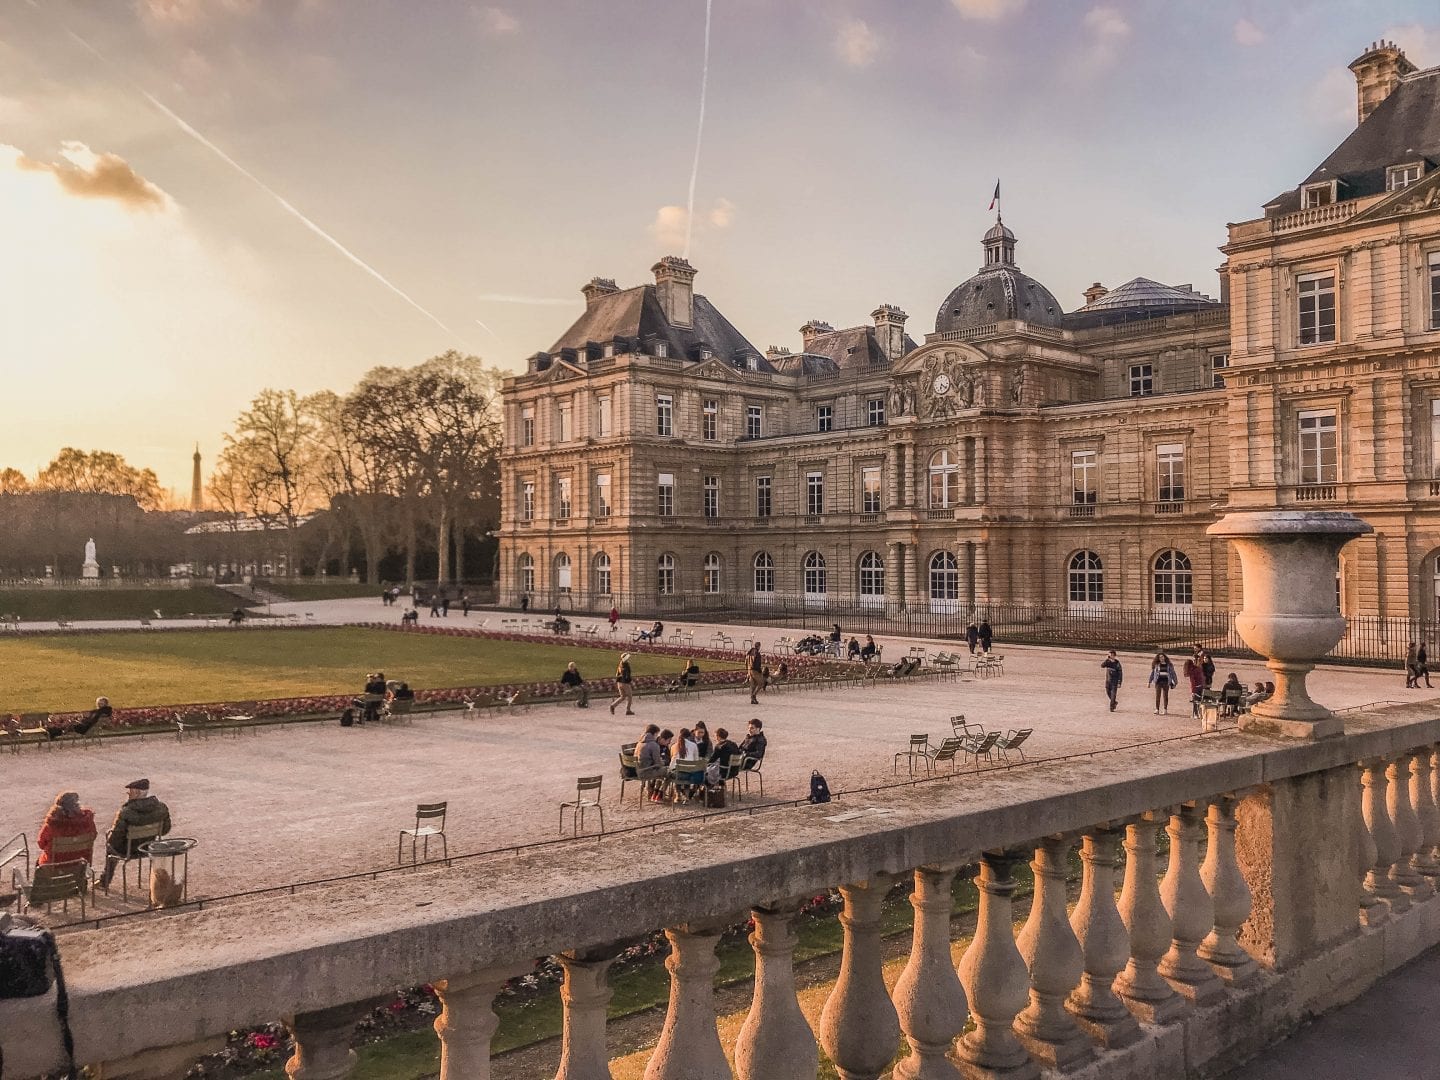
875 412
602 495
1435 290
1316 294
1401 176
1319 454
1170 465
712 496
710 420
563 430
604 420
814 494
600 577
527 426
664 414
665 495
762 496
824 417
527 500
1219 363
1318 195
754 417
764 574
1142 380
1085 476
562 497
870 489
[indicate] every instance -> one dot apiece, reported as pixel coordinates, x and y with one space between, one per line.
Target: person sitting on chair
374 696
1256 695
753 745
653 634
689 676
853 649
141 808
573 683
65 820
1233 686
410 616
95 716
237 616
869 650
726 757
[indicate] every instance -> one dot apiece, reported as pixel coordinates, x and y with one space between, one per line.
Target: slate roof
1139 298
998 293
853 349
634 319
1404 127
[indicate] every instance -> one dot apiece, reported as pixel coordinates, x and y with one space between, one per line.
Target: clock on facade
941 385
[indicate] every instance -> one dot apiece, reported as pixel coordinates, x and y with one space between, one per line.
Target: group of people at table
682 766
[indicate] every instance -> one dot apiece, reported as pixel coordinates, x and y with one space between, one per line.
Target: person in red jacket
66 819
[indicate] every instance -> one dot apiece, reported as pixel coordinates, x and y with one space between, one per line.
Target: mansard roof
853 349
1139 298
635 318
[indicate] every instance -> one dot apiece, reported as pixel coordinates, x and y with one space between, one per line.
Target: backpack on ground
715 796
819 789
347 718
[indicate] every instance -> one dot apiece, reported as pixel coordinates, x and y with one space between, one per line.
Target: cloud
1247 33
187 12
987 10
497 21
856 43
1332 98
1107 23
84 173
722 213
668 228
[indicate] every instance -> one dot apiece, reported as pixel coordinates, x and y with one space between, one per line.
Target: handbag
28 957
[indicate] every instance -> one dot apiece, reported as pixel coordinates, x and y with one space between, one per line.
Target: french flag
994 198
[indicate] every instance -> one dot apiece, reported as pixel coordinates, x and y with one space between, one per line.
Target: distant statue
90 550
1017 386
91 569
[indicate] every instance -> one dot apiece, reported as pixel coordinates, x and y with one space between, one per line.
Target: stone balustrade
1296 874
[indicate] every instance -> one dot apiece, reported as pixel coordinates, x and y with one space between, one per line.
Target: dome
998 291
998 231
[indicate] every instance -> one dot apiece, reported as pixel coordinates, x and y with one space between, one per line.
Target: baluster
1382 833
859 1027
1103 945
928 995
322 1042
1373 909
1407 831
993 974
1052 954
585 993
467 1020
1192 913
1144 992
689 1046
1435 797
775 1042
1230 894
1422 798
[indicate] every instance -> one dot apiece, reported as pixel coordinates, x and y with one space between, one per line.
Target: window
1173 578
710 575
944 480
527 426
665 495
1319 461
604 419
1170 466
710 420
1142 380
527 574
754 421
1435 441
664 414
1219 363
562 573
870 489
944 577
600 578
872 574
1401 176
1435 290
662 349
1087 578
1316 293
764 573
815 494
1318 195
712 496
762 496
602 495
564 430
562 497
814 573
875 412
527 500
824 417
665 575
1085 476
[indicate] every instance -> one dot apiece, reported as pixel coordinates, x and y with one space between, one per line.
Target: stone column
467 1020
322 1042
1422 797
1378 880
928 995
1103 945
894 576
1373 909
585 993
775 1042
1052 954
1192 913
1407 830
161 1063
689 1046
982 571
1144 992
859 1027
993 974
1230 895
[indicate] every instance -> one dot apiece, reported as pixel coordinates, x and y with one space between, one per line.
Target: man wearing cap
140 809
623 690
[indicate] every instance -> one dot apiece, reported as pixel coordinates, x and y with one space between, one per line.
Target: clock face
941 385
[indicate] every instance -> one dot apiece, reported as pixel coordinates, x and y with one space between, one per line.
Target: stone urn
1288 561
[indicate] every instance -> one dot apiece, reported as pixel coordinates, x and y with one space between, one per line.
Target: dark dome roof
1000 293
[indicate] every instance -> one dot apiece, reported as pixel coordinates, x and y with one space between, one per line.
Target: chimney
675 289
1095 292
774 352
811 330
1377 72
890 330
598 287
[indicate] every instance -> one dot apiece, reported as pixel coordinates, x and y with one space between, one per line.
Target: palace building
1022 453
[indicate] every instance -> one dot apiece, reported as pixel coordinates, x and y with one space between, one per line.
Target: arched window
527 573
815 584
600 578
944 577
562 573
665 575
764 573
944 480
711 576
872 574
1087 578
1173 579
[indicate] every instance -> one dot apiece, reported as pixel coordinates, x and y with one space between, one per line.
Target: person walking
972 636
754 673
614 618
1412 664
1114 676
465 604
986 635
1422 666
1162 677
624 690
1207 667
524 602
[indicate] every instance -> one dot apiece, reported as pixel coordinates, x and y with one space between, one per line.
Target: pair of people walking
1162 678
1417 666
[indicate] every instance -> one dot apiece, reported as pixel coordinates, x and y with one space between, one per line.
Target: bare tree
99 472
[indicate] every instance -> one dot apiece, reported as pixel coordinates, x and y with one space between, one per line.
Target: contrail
699 131
284 203
492 333
507 298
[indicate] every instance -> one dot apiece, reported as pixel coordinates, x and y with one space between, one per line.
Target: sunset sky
203 198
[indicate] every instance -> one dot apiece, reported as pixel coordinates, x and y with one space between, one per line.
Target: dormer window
609 349
1402 176
662 348
705 352
1322 194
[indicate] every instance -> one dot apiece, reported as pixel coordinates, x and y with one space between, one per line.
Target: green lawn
67 672
314 590
50 604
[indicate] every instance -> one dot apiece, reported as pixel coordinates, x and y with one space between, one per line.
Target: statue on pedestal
91 568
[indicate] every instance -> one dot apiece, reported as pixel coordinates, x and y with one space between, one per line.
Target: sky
200 199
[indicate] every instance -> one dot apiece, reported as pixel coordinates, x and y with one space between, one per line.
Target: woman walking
1422 666
1162 677
624 691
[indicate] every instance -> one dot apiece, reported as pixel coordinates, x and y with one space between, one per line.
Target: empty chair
429 821
949 750
919 750
983 747
587 796
966 730
1013 740
57 881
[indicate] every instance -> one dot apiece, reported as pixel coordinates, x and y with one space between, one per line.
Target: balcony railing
1170 506
871 518
1081 510
1315 215
940 514
1315 493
